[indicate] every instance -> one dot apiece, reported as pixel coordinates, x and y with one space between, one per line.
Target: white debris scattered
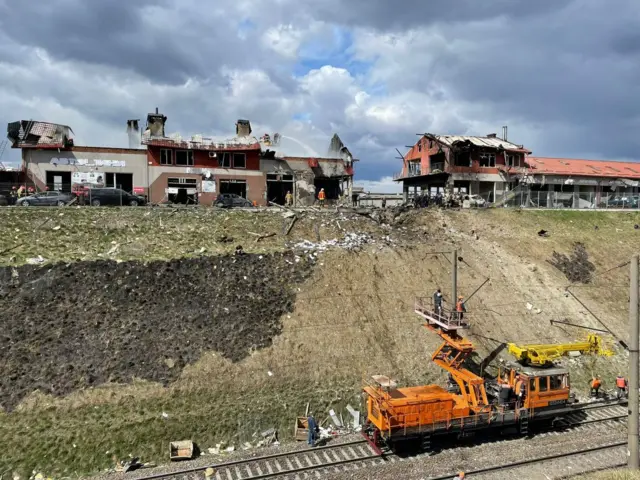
230 449
165 415
36 260
270 373
529 306
57 227
351 241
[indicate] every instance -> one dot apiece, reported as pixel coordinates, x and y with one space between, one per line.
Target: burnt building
487 166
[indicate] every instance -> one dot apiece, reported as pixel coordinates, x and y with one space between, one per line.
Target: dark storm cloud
126 34
393 15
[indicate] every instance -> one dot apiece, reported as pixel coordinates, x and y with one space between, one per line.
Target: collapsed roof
30 133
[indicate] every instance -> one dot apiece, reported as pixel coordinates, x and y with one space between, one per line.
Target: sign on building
87 178
86 162
208 186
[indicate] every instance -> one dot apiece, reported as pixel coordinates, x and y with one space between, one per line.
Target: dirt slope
352 317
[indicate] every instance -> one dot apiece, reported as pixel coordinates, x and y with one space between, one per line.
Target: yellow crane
542 355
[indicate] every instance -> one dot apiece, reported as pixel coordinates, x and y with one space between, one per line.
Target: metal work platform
445 319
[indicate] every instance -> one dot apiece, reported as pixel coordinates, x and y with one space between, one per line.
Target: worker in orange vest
519 390
595 386
621 385
321 197
460 308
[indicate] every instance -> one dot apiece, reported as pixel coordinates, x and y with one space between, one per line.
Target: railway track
563 465
338 458
291 465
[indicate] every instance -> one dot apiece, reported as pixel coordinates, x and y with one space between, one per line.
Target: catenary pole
454 278
634 340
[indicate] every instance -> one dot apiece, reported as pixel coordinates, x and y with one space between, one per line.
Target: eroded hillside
304 326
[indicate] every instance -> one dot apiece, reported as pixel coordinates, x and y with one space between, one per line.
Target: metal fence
522 198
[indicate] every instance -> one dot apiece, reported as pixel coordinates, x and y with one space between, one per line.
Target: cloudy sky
564 75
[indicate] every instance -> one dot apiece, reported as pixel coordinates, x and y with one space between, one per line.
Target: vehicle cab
544 387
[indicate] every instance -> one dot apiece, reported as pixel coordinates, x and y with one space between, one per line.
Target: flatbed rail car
398 414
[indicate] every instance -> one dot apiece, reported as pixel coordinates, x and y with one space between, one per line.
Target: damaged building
487 166
304 177
504 173
168 168
198 169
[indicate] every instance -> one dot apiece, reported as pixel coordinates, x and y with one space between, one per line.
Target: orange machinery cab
544 387
411 410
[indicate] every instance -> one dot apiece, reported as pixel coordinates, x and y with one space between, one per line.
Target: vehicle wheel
61 203
133 203
25 203
95 202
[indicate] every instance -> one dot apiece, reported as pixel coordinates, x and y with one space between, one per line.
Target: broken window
184 158
420 146
462 159
514 160
414 168
225 160
166 157
487 159
239 160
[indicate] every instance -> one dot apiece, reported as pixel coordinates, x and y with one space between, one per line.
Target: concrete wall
86 160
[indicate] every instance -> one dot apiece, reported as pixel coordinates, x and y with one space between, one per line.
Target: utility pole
454 278
634 341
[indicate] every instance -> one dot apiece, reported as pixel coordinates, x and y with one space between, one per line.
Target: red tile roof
583 168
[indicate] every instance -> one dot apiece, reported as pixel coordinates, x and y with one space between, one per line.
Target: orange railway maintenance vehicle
422 413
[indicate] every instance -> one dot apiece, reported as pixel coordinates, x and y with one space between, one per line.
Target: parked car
42 199
228 200
624 202
476 200
111 196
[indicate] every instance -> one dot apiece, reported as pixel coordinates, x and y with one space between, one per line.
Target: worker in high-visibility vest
595 386
460 308
519 390
321 197
288 199
621 385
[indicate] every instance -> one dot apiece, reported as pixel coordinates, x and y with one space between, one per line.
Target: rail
295 462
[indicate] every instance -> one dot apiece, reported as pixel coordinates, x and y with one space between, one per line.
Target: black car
112 196
228 200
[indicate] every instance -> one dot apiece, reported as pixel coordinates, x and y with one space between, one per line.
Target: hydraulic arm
543 355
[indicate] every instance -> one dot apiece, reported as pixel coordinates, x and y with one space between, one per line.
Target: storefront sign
85 162
171 190
89 178
138 190
208 186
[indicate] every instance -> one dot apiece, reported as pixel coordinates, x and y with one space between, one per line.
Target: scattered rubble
577 268
351 242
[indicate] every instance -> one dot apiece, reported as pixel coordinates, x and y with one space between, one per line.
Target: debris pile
577 268
350 242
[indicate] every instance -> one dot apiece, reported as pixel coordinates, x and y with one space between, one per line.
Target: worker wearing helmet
321 197
460 476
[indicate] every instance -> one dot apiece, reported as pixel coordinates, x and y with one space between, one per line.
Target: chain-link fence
31 196
570 200
525 198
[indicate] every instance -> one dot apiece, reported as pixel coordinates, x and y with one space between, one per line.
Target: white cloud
283 40
384 185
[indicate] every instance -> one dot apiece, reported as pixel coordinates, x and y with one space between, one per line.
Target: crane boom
543 355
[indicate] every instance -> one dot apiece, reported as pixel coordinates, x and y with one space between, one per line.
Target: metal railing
424 306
